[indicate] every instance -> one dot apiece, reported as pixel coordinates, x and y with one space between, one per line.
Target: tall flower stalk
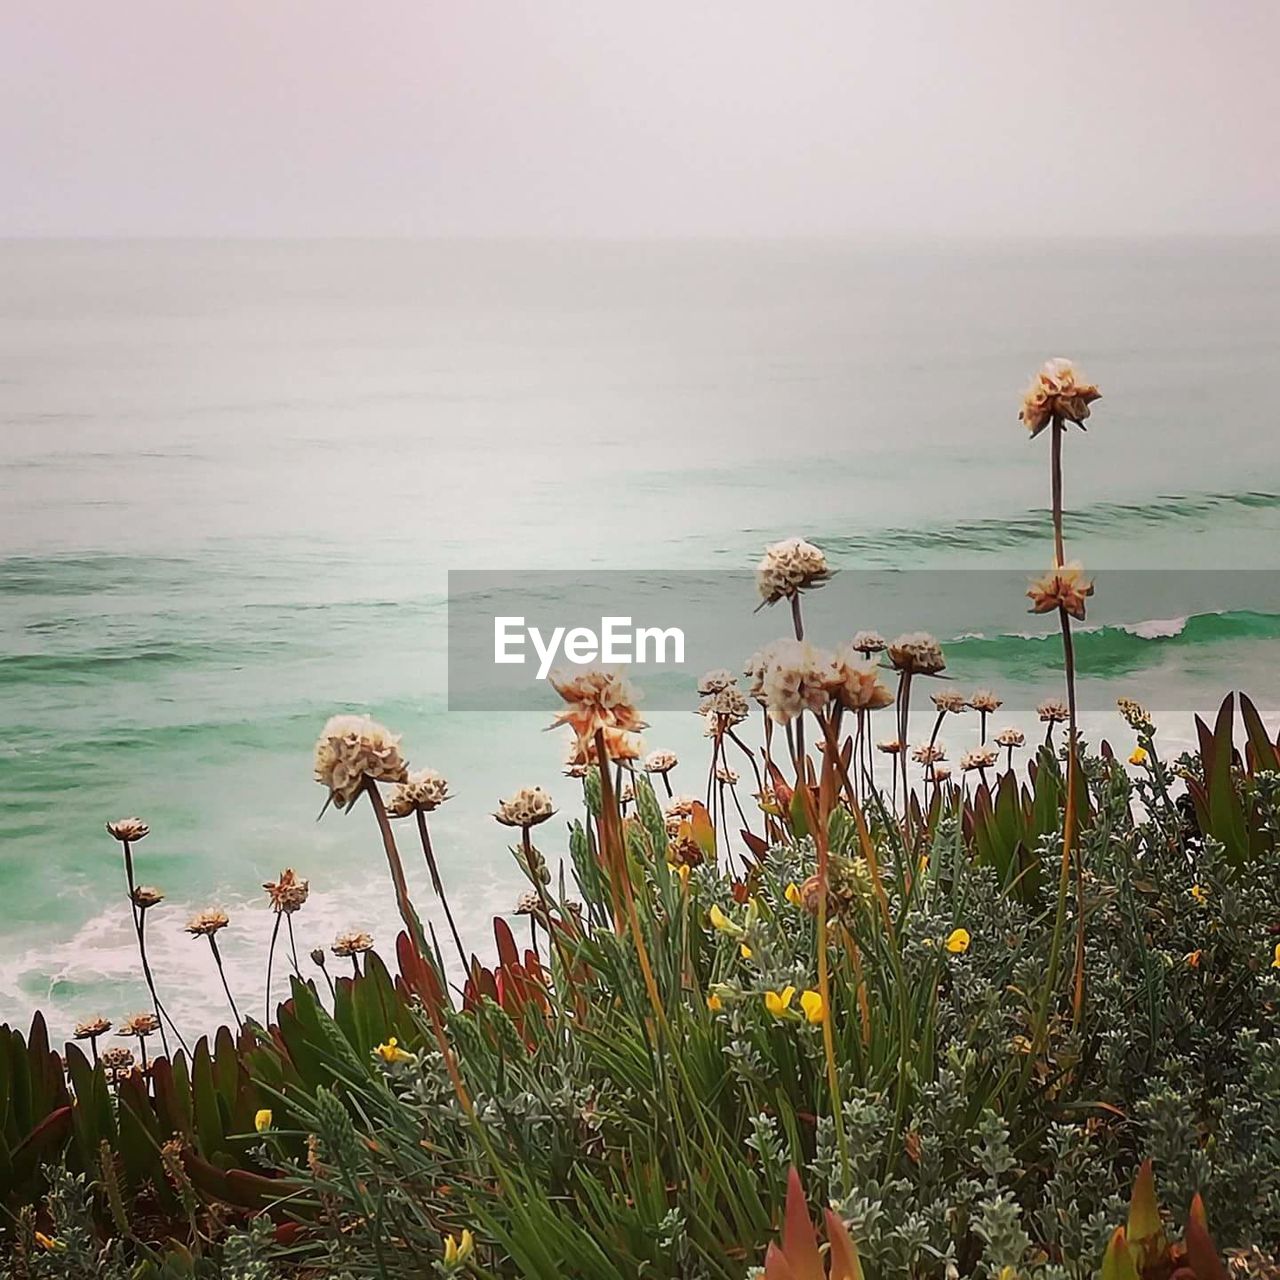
206 924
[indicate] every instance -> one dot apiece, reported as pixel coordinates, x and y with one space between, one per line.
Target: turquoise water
235 476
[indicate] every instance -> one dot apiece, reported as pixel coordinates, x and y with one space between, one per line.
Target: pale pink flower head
424 791
985 700
788 568
917 653
855 683
528 807
352 748
1056 392
1053 711
795 679
979 758
950 702
1065 588
598 701
1011 737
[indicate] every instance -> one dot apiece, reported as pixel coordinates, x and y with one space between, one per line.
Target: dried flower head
1011 737
929 754
1053 711
352 943
92 1028
1056 392
855 683
715 681
128 830
204 924
618 745
1063 588
603 702
528 904
986 701
979 758
917 653
526 808
949 702
575 768
660 762
352 748
288 893
727 707
679 810
118 1060
146 895
869 642
789 567
424 790
139 1025
726 775
890 747
1135 715
794 678
940 773
317 956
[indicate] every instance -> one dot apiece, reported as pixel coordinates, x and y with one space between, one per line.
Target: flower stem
271 955
437 885
217 959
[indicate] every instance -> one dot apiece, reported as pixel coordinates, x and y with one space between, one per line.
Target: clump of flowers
92 1028
526 808
1063 588
855 684
352 748
1057 392
146 896
715 682
929 754
794 677
599 702
788 568
725 707
1011 737
422 791
287 894
985 702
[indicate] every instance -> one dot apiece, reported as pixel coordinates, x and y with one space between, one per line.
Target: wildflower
1010 738
288 893
1135 715
457 1252
814 1006
716 682
855 684
1193 958
684 870
1199 894
869 642
597 699
139 1025
528 903
746 951
917 653
1139 756
949 702
778 1002
929 754
788 568
726 775
958 941
660 762
391 1052
985 701
722 924
351 944
794 680
92 1028
619 744
146 895
1064 587
1053 711
48 1243
118 1060
725 707
526 808
1056 392
1275 963
890 747
714 1003
793 895
128 830
982 758
207 923
941 773
352 748
262 1119
424 791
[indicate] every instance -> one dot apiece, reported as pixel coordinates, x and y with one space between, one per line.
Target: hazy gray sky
668 117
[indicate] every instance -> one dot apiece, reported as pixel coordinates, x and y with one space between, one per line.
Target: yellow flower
1200 894
683 871
722 924
1193 958
1139 756
714 1003
793 895
391 1051
1275 964
778 1002
458 1251
746 952
814 1006
262 1120
958 942
48 1242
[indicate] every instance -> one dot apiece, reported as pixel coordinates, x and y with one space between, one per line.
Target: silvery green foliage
246 1255
775 1158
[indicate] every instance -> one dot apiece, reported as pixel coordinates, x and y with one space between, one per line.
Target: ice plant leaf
775 1265
799 1243
704 834
1202 1253
844 1254
1117 1263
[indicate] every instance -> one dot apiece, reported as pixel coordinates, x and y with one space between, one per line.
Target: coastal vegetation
812 1006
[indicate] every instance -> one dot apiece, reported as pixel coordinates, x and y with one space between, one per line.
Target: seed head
788 568
985 700
526 808
715 681
351 748
869 642
1053 711
1011 738
979 758
950 702
917 653
660 762
146 895
425 790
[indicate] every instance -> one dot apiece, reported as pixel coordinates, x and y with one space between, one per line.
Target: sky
599 118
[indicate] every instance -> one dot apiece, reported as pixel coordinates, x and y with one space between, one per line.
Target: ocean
236 474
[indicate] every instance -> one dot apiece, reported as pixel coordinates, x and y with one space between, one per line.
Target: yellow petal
262 1120
722 923
793 895
746 951
450 1250
1275 964
714 1003
1139 756
815 1008
467 1245
958 942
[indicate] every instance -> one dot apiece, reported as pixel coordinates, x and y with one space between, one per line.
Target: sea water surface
235 476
